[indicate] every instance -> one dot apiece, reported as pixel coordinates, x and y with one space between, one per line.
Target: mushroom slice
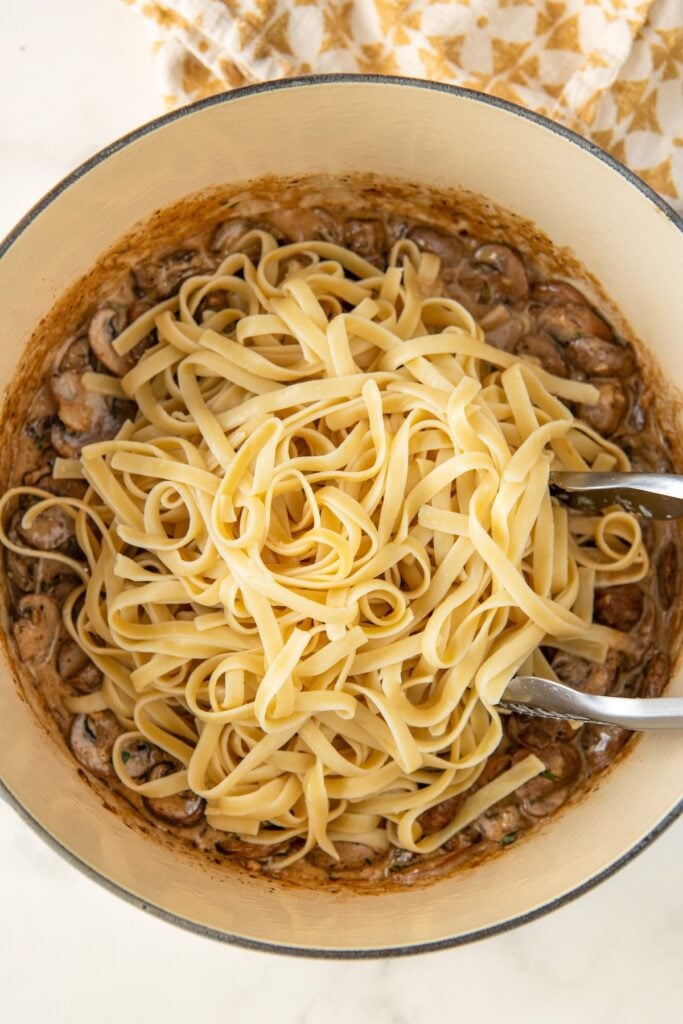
92 739
544 794
51 529
657 675
81 411
505 327
645 457
76 668
667 574
328 227
367 238
565 321
537 733
76 358
67 443
38 431
501 824
601 744
619 607
447 247
351 855
508 266
21 571
598 358
229 234
543 350
61 487
438 817
589 677
608 412
140 756
163 277
104 327
70 443
35 631
183 809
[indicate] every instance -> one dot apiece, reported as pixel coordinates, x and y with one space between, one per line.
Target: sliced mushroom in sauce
607 413
59 486
80 409
447 247
140 757
38 431
645 456
567 321
162 277
349 855
92 739
547 792
367 238
541 348
601 744
598 358
183 809
76 668
37 627
506 271
50 529
587 676
21 571
441 815
657 674
105 326
505 327
502 822
538 733
227 235
620 607
84 415
667 574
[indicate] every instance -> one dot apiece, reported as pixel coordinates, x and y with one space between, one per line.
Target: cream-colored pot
428 135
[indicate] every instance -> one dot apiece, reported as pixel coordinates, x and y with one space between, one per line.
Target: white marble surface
71 952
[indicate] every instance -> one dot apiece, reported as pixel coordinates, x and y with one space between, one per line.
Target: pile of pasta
326 543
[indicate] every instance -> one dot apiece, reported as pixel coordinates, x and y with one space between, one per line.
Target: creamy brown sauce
522 312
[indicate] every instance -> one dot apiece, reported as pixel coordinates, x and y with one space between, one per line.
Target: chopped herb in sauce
509 838
549 775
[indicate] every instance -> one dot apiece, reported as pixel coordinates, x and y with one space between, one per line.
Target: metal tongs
543 698
653 496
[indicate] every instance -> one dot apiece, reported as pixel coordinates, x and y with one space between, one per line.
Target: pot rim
25 222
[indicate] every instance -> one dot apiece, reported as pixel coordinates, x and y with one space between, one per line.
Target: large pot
432 136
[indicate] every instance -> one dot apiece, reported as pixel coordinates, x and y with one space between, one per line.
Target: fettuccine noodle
326 543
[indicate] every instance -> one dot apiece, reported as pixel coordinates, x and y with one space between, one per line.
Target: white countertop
75 75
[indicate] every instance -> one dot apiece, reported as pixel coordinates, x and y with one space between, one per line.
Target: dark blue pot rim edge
17 231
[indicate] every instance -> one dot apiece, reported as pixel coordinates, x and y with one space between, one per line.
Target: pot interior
413 148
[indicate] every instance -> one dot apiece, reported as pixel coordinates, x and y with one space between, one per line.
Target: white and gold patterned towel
610 69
